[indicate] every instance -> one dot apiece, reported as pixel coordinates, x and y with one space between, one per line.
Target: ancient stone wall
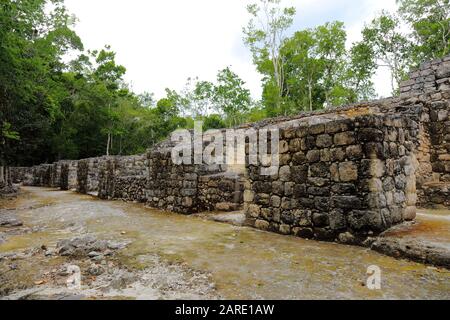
433 176
68 178
189 188
41 175
87 175
431 84
131 178
130 188
82 176
221 192
107 168
430 77
339 178
123 178
55 175
22 175
132 165
172 187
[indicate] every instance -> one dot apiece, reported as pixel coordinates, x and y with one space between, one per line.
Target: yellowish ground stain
244 263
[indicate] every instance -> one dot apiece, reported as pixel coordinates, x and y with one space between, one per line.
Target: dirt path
149 254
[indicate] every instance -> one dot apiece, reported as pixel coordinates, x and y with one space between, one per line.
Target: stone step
227 206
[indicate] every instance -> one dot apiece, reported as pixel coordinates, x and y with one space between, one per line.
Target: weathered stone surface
9 219
319 169
413 250
344 188
320 220
324 141
443 71
306 233
275 201
285 173
348 171
262 225
87 246
337 220
344 138
346 202
337 154
313 156
354 152
370 135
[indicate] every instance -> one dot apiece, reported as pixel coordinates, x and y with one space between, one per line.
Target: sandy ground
149 254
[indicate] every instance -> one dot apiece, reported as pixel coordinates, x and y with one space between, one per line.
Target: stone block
344 138
324 141
348 171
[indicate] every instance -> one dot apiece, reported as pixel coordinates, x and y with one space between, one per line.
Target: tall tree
391 47
331 38
361 68
201 99
430 21
109 76
265 35
321 71
303 69
34 41
231 97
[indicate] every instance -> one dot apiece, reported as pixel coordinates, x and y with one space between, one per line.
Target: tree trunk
111 147
108 144
310 98
277 76
2 177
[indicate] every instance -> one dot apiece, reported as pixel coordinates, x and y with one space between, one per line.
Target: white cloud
162 43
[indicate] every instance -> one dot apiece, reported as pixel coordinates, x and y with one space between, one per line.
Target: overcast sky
163 42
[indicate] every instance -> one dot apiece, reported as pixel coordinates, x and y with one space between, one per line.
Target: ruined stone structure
172 187
22 175
123 178
185 188
68 178
42 175
87 175
344 173
221 192
431 84
338 174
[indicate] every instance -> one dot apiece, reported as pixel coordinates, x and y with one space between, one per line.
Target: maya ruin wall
344 173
